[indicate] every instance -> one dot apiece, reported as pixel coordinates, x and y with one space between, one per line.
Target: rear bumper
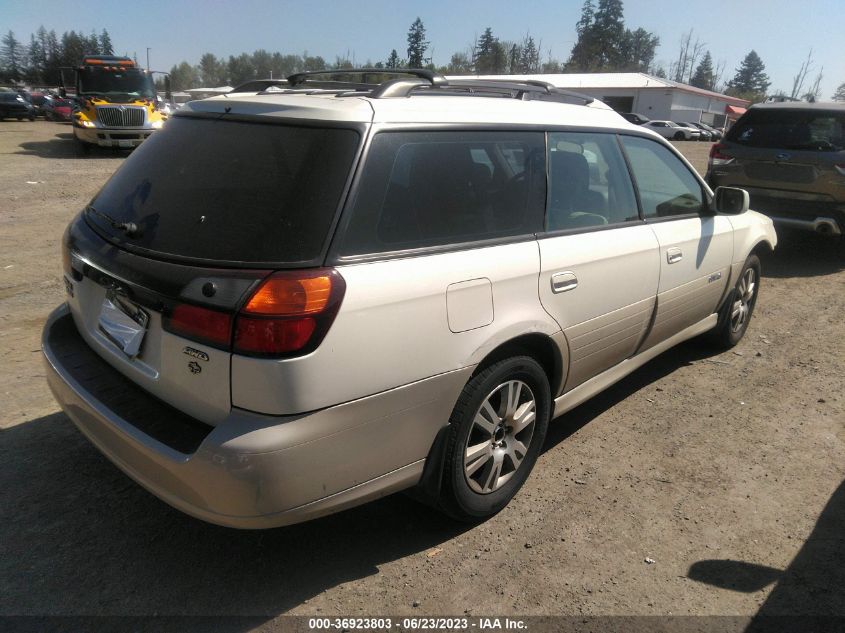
252 470
112 137
795 209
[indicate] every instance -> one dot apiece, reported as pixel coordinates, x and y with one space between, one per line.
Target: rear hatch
160 262
783 153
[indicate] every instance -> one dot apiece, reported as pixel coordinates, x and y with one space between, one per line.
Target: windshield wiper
130 228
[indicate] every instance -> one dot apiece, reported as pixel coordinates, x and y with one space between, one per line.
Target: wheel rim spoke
495 472
487 418
524 416
477 456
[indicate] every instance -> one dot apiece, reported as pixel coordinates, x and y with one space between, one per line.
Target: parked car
317 300
633 117
704 135
58 109
715 133
791 158
38 101
671 130
14 106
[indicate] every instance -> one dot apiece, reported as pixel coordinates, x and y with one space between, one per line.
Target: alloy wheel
501 434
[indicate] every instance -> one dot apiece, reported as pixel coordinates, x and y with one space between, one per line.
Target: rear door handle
561 282
674 255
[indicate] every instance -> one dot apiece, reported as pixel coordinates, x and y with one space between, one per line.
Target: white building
650 96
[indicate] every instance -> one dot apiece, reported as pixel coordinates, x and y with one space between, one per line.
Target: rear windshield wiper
130 228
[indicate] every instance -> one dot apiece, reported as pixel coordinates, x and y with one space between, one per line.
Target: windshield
114 83
813 130
230 192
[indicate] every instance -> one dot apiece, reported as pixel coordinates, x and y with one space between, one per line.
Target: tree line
39 61
604 44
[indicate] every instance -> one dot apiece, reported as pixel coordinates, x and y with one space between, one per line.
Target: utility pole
148 58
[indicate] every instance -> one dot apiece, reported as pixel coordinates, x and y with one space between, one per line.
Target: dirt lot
725 470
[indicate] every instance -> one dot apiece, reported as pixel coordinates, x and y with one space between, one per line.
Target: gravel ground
702 484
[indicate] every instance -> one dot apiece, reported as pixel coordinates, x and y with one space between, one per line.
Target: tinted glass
231 192
814 130
435 188
666 186
589 184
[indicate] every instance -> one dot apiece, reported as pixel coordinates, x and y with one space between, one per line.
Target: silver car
287 304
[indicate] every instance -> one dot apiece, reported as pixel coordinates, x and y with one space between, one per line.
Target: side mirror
731 200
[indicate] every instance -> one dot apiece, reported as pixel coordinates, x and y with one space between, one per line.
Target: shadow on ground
803 254
810 591
63 146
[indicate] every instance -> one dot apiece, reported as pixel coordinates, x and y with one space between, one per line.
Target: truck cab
116 103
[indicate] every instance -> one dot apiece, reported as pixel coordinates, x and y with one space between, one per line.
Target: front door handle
561 282
674 255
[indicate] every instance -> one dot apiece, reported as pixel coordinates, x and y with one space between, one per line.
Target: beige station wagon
290 303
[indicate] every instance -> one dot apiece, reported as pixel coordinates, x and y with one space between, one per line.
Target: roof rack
423 81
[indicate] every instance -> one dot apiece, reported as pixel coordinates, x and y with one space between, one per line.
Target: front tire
496 433
679 136
735 314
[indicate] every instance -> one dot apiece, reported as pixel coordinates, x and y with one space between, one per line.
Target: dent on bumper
257 471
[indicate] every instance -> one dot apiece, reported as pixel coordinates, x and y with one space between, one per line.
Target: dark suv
791 158
14 105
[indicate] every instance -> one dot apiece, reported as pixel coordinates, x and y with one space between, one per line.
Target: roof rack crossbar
431 77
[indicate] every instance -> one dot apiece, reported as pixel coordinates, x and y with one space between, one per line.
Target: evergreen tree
704 76
393 60
35 60
750 81
637 50
212 71
12 57
184 76
839 95
529 58
417 45
106 47
582 57
491 57
609 33
240 69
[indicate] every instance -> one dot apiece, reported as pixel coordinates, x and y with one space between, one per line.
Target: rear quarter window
423 189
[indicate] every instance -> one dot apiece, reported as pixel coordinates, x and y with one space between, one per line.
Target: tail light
717 157
200 324
288 314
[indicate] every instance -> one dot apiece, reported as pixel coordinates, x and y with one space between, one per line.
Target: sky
782 32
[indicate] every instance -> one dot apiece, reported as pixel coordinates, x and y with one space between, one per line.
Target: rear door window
433 188
589 185
230 192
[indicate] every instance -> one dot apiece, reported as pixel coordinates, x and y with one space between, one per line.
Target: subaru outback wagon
287 304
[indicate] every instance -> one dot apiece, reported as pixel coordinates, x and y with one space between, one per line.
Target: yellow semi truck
116 102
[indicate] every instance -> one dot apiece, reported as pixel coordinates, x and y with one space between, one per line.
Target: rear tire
735 314
496 433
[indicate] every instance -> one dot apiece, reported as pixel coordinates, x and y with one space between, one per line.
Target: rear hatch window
812 130
227 192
